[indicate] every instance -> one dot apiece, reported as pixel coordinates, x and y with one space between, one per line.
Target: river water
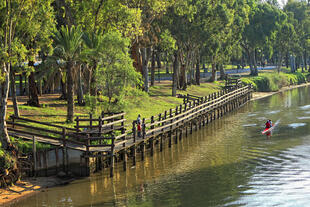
227 163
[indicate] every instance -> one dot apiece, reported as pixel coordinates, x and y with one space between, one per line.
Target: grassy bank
135 102
274 81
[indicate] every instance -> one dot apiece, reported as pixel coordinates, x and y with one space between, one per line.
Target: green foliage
67 43
268 82
6 161
26 146
248 81
116 70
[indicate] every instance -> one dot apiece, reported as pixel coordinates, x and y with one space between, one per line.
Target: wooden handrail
43 123
103 119
34 134
103 126
230 94
189 112
35 128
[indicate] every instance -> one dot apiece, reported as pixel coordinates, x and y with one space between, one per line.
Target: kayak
266 130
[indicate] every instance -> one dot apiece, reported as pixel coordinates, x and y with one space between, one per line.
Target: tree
15 16
262 28
300 12
67 48
115 70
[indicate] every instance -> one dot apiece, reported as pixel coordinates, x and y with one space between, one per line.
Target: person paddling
268 124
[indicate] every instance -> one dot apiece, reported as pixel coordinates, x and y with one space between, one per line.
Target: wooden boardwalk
105 137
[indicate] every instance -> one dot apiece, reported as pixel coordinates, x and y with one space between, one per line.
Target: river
227 163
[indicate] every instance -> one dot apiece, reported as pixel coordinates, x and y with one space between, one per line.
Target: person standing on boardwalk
139 125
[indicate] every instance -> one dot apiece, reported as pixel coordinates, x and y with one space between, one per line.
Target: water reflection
227 163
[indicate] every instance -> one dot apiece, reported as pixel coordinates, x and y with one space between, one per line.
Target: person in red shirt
268 124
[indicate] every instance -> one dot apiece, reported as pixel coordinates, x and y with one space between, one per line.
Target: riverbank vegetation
60 59
270 82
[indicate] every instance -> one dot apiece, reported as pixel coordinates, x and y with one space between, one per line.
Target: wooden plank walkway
99 140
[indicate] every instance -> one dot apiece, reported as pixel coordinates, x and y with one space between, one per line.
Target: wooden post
170 111
170 134
170 138
100 128
13 120
34 151
161 142
143 137
91 120
186 130
181 109
176 110
134 133
124 145
112 158
45 162
65 151
191 125
57 159
21 92
152 139
125 158
77 124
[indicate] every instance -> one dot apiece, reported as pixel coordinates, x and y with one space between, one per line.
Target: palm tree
68 45
93 47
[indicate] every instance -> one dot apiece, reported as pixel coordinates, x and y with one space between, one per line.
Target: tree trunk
33 91
198 72
167 63
137 62
167 67
145 69
21 91
183 78
287 60
26 86
40 87
63 89
89 81
153 69
4 92
70 92
305 60
13 91
213 76
255 71
250 60
292 61
279 62
80 89
175 74
158 59
222 72
93 85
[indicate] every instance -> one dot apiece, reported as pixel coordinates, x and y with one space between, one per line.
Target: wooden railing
107 133
190 109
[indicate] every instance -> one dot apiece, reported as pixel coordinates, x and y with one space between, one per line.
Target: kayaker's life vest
268 125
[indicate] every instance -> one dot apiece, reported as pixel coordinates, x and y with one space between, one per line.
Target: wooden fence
105 137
